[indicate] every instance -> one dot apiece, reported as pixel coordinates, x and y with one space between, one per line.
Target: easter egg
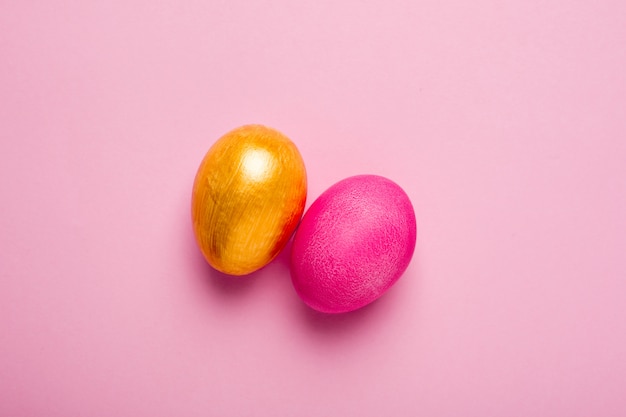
248 197
353 244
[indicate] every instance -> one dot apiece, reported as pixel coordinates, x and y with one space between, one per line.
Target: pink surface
504 122
352 244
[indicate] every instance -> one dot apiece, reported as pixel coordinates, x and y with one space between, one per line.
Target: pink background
505 122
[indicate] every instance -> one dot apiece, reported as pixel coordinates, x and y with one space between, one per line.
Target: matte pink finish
353 244
504 121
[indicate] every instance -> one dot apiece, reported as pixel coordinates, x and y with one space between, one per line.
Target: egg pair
351 246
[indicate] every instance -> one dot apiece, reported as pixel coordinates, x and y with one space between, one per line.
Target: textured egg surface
353 244
248 196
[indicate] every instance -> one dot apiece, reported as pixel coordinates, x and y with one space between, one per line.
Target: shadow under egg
212 279
340 324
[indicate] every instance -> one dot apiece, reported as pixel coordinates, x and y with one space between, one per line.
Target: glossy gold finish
248 197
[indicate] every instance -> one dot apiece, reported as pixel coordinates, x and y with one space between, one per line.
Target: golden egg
248 196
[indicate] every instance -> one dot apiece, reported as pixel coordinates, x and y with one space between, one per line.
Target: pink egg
353 244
